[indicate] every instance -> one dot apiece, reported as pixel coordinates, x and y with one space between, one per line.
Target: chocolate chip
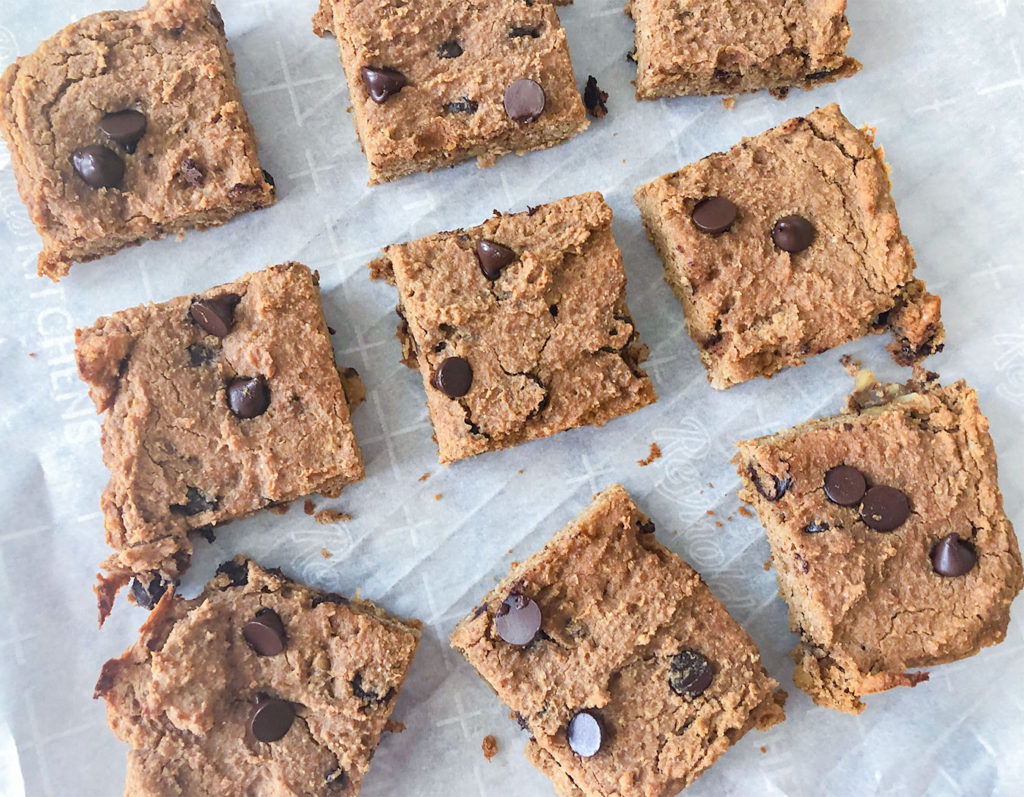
207 533
367 695
816 527
647 527
449 49
465 105
269 178
952 556
845 485
594 99
124 128
148 596
99 166
271 719
631 55
493 258
237 572
328 597
519 32
382 83
584 734
198 354
195 503
216 315
453 377
772 492
524 100
689 673
793 233
714 214
517 620
248 396
265 633
192 173
884 508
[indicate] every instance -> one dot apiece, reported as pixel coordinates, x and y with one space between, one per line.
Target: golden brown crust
169 60
616 607
868 605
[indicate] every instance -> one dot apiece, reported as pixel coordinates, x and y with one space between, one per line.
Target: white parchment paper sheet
944 83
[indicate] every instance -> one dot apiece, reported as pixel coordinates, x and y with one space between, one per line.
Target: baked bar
888 537
440 81
258 686
216 405
732 46
612 652
788 245
519 327
128 125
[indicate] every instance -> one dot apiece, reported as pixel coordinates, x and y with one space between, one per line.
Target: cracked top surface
551 343
753 308
466 52
183 694
616 607
729 46
179 459
868 605
168 60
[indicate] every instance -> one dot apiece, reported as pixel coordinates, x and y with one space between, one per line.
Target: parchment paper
943 82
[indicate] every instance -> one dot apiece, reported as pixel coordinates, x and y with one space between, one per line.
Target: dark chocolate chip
952 556
465 105
195 502
248 396
367 695
594 99
519 32
265 633
820 74
192 173
517 620
584 734
772 492
689 673
816 527
216 315
207 533
845 485
631 55
714 214
271 719
453 377
647 527
213 14
884 508
524 100
199 354
328 597
148 595
382 83
99 166
236 571
449 49
269 178
493 258
124 128
793 233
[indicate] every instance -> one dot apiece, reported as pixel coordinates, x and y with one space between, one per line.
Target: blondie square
128 125
732 46
788 245
888 537
258 686
629 675
519 327
436 82
215 406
